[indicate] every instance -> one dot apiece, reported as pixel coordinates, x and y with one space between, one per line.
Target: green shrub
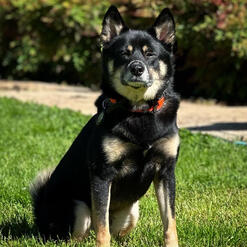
56 40
213 48
50 39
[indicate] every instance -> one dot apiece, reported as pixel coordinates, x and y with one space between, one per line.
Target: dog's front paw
103 243
173 243
103 240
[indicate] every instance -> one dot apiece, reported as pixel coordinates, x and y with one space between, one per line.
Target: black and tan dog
131 142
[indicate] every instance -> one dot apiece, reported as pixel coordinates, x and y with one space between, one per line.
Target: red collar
153 108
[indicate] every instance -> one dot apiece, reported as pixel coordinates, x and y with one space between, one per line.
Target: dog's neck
141 106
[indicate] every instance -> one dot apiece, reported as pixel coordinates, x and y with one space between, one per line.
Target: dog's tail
38 190
39 183
38 193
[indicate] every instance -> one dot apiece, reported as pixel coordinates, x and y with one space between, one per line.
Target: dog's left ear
112 25
164 27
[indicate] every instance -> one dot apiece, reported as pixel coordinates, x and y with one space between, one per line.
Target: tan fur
169 146
171 237
114 148
124 220
144 48
162 197
157 81
163 69
103 236
130 48
82 221
169 223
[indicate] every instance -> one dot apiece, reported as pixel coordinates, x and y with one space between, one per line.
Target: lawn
211 176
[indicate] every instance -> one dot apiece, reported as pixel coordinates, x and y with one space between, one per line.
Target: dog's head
137 65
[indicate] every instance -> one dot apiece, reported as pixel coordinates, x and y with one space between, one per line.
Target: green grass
211 176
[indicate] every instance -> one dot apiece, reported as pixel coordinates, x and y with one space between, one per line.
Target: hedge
56 40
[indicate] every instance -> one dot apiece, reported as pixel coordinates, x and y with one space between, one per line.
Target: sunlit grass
211 182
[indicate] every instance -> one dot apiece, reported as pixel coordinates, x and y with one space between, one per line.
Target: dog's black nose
136 68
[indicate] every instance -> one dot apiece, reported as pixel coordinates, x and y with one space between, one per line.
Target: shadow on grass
16 229
221 126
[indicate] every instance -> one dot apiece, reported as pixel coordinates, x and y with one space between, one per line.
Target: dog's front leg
100 190
165 192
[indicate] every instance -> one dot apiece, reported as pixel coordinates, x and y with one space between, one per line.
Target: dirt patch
218 120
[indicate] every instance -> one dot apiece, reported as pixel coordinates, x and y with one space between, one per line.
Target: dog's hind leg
82 222
124 220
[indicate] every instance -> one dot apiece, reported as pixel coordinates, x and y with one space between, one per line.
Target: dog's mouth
137 84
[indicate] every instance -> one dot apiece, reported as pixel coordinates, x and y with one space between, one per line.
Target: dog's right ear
112 26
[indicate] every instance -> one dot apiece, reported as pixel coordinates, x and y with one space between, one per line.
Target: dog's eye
149 54
125 53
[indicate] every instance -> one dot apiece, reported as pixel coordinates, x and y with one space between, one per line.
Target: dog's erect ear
112 26
164 27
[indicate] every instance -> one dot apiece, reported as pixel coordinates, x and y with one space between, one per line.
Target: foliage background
57 40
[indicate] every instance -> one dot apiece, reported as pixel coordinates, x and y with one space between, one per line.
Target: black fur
84 170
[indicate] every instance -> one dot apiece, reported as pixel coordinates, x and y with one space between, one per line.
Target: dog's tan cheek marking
157 77
155 74
114 149
163 69
157 83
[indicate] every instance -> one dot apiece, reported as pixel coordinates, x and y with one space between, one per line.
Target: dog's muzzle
136 75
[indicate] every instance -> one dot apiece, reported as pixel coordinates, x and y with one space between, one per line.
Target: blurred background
57 41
